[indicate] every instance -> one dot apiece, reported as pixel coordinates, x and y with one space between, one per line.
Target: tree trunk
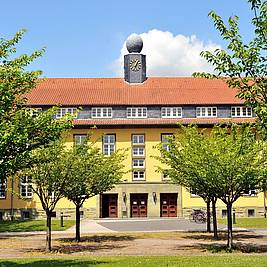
48 247
208 216
78 224
214 216
229 226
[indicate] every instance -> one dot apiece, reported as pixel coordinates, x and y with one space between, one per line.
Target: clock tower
134 62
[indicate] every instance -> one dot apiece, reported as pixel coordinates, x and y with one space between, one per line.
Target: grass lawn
33 225
248 222
119 261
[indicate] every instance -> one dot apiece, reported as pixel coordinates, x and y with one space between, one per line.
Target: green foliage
21 131
92 173
224 162
243 65
49 173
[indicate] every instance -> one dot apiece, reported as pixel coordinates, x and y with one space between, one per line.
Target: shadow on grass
88 243
77 247
222 236
49 262
100 238
238 247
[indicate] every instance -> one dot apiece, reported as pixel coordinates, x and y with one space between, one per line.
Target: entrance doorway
168 205
109 206
138 205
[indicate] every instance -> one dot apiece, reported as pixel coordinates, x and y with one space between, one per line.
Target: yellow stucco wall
123 140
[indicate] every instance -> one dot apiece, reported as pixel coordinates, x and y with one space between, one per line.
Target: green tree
243 65
49 172
21 130
189 165
91 174
227 162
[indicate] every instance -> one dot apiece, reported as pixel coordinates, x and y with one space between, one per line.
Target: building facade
134 112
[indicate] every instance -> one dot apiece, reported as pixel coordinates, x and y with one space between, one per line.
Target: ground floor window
3 189
251 213
26 187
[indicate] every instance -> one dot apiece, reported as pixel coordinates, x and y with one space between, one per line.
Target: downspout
12 198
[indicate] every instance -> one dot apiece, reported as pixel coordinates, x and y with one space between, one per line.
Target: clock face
135 64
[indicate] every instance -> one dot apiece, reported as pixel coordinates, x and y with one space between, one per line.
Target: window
101 113
164 141
63 111
241 112
3 189
138 163
139 175
171 112
250 192
165 177
224 213
109 144
51 193
26 215
136 112
26 187
203 112
251 213
138 151
35 111
79 139
193 192
138 139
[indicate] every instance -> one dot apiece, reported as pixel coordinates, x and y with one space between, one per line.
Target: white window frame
79 139
171 112
137 112
27 186
137 175
3 190
138 163
35 111
138 139
206 112
242 110
192 194
165 177
109 144
101 112
138 149
251 193
63 111
164 140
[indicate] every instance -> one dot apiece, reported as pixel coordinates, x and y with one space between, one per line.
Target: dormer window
101 112
137 112
63 111
206 112
171 112
241 112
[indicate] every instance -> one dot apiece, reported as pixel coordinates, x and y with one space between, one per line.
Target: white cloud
169 55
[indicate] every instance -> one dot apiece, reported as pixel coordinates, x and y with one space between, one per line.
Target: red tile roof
203 121
115 91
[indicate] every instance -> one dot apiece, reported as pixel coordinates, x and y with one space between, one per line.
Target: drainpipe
264 202
12 198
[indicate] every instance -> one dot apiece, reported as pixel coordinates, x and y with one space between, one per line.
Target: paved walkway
89 226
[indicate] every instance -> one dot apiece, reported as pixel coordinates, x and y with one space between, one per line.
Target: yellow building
135 112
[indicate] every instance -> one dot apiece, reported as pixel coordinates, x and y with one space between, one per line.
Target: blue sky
84 38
